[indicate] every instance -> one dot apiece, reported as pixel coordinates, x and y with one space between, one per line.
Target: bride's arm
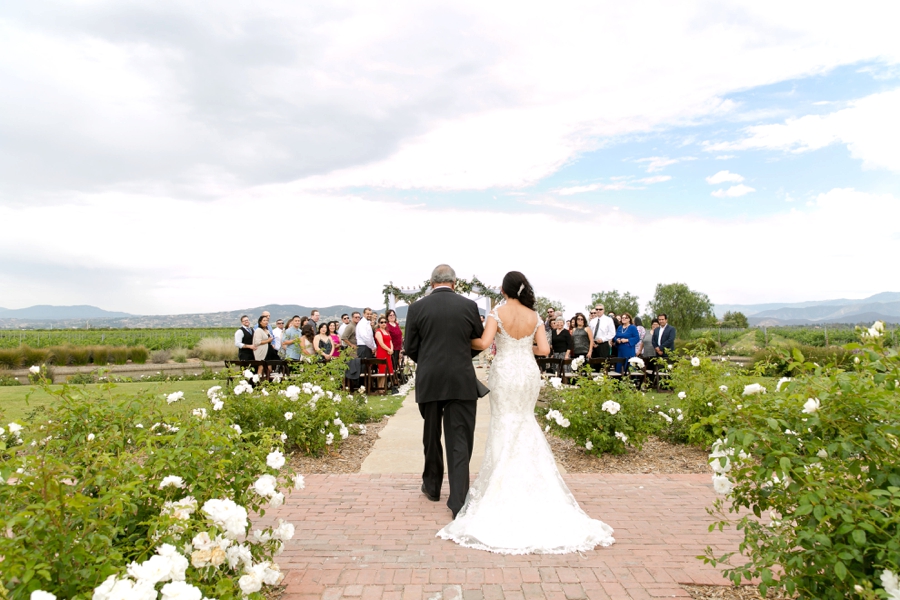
542 348
487 338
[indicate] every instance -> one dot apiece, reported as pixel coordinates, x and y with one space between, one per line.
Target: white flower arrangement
636 361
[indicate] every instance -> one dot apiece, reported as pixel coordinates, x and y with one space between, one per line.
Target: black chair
550 366
369 374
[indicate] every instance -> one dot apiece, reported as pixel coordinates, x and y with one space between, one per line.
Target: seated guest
323 344
335 338
290 339
626 340
243 339
262 341
307 335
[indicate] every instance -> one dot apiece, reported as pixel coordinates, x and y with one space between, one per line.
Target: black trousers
601 350
246 354
458 418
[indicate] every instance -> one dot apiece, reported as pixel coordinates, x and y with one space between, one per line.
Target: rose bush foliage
811 474
109 495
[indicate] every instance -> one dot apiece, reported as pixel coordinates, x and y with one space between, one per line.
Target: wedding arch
485 296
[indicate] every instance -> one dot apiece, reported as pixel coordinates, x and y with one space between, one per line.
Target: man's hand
659 351
253 346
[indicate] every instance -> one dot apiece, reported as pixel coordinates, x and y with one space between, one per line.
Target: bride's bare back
518 322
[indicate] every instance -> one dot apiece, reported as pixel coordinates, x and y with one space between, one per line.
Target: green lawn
16 402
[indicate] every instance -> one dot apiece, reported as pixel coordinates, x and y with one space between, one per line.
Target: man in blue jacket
664 337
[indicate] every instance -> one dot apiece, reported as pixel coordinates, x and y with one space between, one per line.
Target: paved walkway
371 535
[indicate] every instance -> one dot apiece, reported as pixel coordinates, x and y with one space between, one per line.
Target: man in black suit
663 337
439 331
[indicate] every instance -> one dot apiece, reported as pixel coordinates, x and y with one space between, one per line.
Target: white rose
218 404
40 594
823 453
250 583
275 459
227 515
345 433
811 406
14 428
124 589
153 570
722 484
171 481
753 388
238 554
213 391
179 590
723 388
891 584
266 485
288 416
589 445
247 373
237 428
695 362
174 397
91 437
622 436
35 370
682 395
284 531
329 439
276 500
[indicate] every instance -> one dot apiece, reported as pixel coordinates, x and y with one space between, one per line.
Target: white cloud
551 203
725 157
619 183
734 191
658 163
724 177
868 126
655 179
162 277
461 95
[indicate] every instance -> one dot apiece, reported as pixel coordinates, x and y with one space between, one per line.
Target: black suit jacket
439 331
668 341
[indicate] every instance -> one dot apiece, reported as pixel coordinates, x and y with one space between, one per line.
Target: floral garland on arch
473 286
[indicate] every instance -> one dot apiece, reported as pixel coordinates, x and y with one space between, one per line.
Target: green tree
542 303
615 302
735 319
685 308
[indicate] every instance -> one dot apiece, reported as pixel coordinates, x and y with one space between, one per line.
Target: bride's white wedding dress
519 504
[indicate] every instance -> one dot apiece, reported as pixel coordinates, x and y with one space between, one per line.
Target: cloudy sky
160 157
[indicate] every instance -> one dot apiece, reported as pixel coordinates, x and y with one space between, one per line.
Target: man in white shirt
277 333
603 329
345 321
365 337
243 339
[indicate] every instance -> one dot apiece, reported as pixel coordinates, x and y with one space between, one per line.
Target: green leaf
840 570
773 424
859 536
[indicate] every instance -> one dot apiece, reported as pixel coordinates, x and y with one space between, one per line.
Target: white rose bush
810 473
600 415
157 505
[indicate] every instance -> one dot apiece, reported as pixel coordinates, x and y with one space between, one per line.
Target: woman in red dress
385 347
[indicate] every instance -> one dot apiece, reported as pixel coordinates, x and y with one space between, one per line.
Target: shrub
10 358
703 386
81 378
600 414
820 459
703 345
138 355
180 355
33 356
100 355
160 357
79 355
309 407
118 355
8 380
60 356
776 362
109 482
215 349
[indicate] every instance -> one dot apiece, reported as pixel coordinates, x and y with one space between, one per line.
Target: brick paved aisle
372 536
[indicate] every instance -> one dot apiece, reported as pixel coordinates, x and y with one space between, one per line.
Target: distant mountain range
884 307
43 317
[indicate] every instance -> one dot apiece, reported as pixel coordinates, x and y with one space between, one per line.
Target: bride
520 504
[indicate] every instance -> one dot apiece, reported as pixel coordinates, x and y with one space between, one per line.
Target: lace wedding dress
520 504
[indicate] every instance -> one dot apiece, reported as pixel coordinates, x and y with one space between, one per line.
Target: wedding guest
335 338
314 317
664 337
626 340
616 321
582 339
345 321
647 343
393 328
570 325
271 353
641 332
291 338
365 337
322 343
243 339
561 343
277 334
303 321
348 338
551 318
307 336
385 350
262 341
603 328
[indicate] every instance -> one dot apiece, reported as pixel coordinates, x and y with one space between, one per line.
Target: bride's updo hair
515 285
